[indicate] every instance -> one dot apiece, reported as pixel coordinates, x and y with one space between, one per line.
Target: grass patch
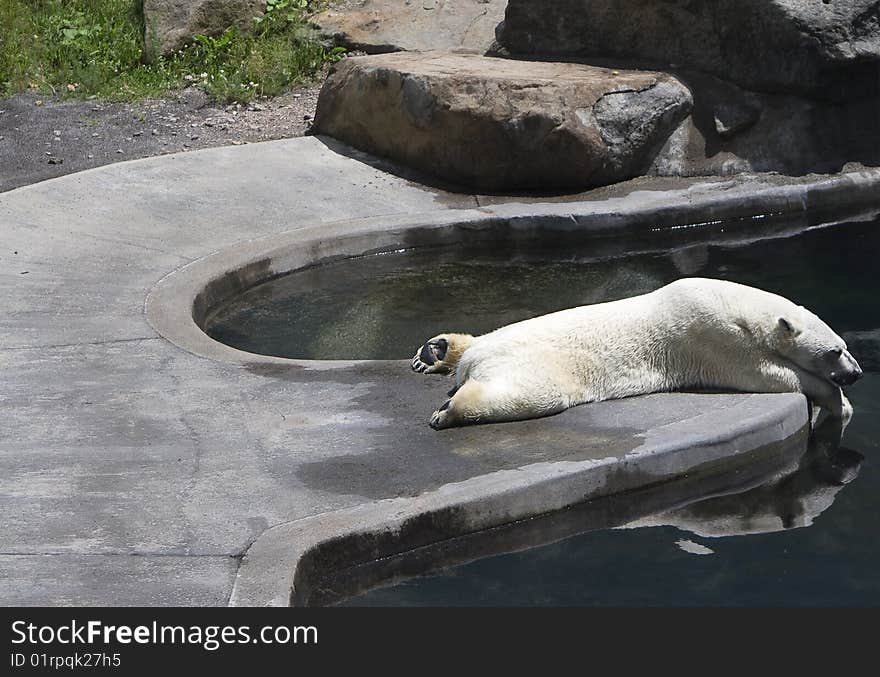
95 48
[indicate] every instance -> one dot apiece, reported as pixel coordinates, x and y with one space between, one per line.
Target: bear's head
812 345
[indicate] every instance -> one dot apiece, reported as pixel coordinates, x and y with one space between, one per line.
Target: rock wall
778 85
821 48
379 26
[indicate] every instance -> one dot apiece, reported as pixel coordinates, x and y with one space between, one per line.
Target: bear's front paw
429 358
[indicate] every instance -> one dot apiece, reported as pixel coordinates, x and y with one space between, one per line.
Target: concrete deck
140 469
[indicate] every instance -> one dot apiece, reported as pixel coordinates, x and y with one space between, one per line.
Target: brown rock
172 24
377 26
501 125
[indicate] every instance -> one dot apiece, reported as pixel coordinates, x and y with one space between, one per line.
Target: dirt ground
43 137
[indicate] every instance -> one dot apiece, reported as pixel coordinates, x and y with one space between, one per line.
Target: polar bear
692 333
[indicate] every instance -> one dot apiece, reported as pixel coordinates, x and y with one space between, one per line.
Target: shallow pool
385 306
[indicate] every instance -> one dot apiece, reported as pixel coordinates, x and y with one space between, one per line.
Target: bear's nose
846 378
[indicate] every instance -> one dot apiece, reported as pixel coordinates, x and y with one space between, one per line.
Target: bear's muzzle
848 376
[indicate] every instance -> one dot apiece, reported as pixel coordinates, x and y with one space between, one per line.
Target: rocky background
726 86
778 85
790 86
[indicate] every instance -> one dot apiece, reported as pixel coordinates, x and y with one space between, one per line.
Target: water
812 539
384 307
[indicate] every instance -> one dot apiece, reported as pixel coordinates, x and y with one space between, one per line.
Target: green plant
94 47
279 15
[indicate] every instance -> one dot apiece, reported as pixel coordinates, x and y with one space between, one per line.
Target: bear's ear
786 327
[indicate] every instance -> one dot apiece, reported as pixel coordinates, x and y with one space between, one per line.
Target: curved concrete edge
179 303
286 561
715 210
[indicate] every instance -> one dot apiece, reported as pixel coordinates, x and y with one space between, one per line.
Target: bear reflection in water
793 498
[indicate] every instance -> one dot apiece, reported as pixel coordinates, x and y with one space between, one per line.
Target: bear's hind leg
441 354
468 404
478 402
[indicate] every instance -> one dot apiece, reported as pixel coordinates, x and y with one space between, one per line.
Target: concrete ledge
288 563
726 448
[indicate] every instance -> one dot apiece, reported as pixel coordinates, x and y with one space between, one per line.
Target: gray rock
502 125
171 24
731 130
865 346
733 110
377 26
628 121
826 49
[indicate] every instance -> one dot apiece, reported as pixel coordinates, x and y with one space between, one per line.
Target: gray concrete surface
135 471
114 580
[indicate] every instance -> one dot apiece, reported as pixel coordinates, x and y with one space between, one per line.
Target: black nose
846 378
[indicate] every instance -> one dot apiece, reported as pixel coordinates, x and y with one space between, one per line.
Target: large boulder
824 48
171 24
377 26
502 125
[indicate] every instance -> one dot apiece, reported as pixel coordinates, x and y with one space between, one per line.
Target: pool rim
178 305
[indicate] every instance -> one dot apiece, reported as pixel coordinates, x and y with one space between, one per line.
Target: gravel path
45 137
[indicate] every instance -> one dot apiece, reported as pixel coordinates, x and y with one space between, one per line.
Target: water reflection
793 499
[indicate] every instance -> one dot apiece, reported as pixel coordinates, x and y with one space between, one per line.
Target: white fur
692 333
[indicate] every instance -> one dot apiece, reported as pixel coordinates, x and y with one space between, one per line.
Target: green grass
95 47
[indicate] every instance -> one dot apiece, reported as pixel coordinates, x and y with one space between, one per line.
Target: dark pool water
812 539
384 307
